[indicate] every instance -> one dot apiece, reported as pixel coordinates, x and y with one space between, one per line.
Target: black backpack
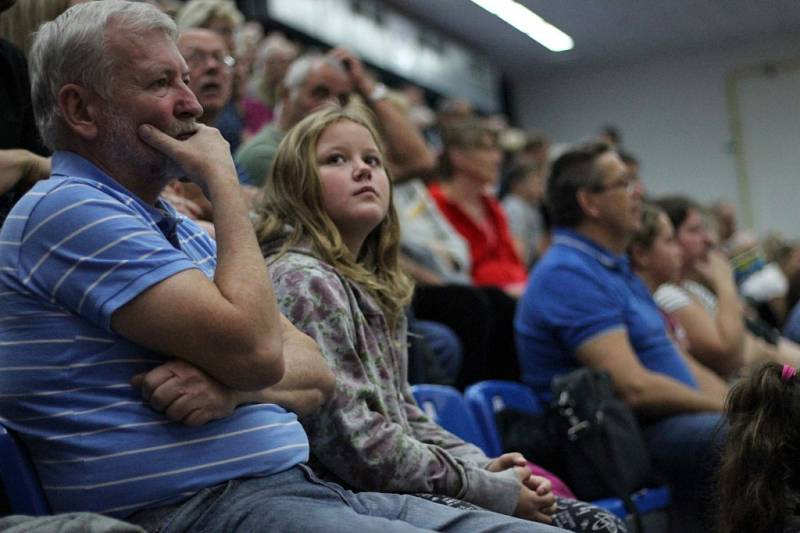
587 436
605 451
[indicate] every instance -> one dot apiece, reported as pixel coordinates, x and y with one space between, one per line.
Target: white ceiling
608 31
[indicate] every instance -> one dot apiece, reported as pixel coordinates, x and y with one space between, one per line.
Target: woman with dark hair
759 483
706 301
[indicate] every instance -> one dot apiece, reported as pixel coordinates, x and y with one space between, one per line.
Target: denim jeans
685 450
444 343
296 500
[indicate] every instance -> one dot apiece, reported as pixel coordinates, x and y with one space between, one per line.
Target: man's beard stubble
124 148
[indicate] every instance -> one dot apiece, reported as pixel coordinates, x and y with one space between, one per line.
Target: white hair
298 72
72 49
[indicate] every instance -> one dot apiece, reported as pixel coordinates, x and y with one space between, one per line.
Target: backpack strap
581 436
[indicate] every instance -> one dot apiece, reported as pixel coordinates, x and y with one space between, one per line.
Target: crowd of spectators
225 256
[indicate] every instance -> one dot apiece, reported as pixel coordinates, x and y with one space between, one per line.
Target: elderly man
313 80
583 306
121 319
210 70
211 80
221 17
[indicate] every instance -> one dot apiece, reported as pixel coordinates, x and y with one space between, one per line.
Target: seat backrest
22 486
486 398
446 407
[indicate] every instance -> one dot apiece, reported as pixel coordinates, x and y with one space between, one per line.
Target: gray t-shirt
525 223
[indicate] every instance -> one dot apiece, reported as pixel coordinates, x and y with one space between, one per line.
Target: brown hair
648 231
572 171
758 479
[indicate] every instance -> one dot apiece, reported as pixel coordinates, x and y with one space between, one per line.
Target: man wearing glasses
210 76
584 306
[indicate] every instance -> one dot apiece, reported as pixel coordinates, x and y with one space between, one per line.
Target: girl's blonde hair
293 212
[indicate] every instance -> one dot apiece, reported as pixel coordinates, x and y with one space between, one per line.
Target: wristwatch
379 92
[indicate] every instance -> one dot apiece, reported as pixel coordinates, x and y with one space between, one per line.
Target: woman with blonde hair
331 237
470 166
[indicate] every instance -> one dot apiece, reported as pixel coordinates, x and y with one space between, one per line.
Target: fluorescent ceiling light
528 23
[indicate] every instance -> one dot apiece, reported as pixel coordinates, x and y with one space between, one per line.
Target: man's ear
79 110
586 200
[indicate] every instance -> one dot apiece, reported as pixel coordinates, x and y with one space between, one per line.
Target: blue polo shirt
73 250
578 291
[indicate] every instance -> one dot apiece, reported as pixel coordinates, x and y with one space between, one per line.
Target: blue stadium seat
22 486
652 499
486 398
446 407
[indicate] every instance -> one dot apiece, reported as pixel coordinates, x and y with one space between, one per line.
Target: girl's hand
545 498
506 461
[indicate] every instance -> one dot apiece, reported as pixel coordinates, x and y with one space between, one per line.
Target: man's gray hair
298 72
72 49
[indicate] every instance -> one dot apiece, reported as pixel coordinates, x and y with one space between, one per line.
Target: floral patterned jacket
372 435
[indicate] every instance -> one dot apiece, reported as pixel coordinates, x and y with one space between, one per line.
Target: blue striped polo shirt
73 250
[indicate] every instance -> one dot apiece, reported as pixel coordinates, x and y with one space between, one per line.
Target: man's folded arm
308 381
229 327
188 395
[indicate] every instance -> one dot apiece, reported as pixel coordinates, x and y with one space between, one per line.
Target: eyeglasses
628 184
199 58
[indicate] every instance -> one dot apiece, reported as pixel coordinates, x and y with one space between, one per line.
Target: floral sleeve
352 435
429 432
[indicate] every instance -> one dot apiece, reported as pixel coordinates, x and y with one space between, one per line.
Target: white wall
673 114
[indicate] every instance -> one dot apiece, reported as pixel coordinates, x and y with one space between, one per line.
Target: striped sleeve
671 298
92 253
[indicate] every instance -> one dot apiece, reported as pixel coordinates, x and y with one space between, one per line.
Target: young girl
759 479
330 235
656 257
